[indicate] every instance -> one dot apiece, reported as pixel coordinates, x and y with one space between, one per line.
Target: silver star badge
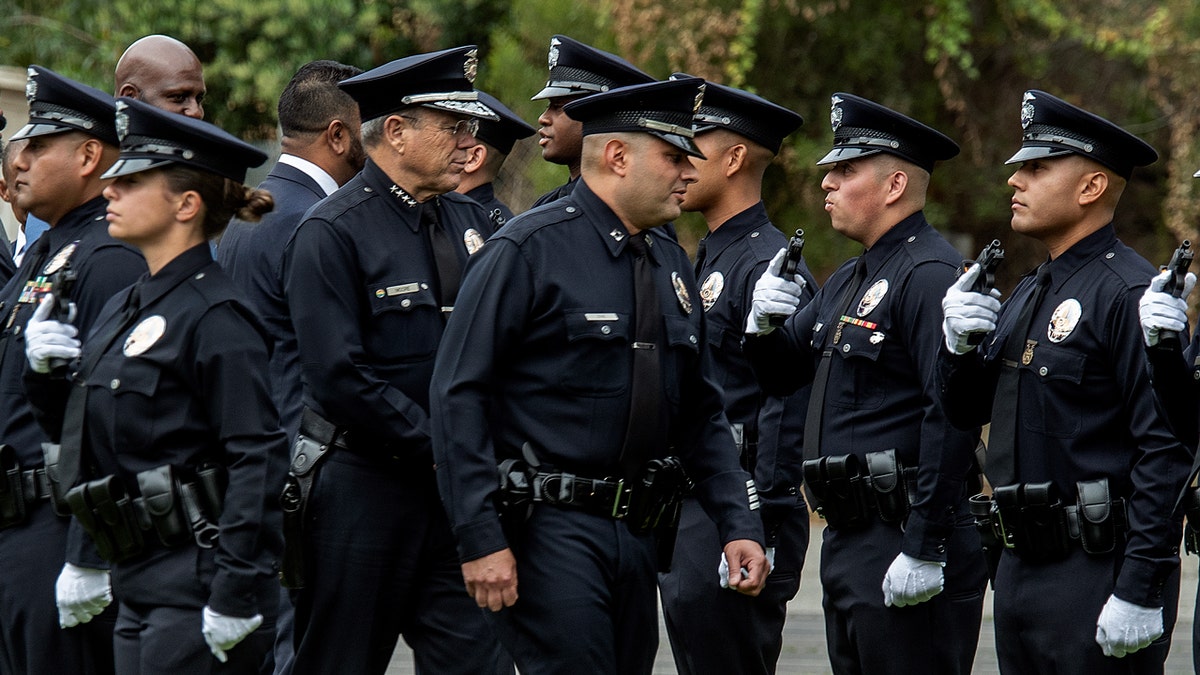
1027 110
835 113
31 85
471 66
552 58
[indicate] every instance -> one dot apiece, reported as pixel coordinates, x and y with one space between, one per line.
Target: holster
746 442
12 499
890 491
1101 520
991 537
1191 508
160 499
1034 522
58 490
839 491
306 457
106 513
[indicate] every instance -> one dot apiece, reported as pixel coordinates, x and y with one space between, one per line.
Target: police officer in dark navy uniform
588 379
167 417
711 629
1084 466
495 142
371 276
71 141
576 70
901 567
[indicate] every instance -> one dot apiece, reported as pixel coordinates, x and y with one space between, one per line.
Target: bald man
163 72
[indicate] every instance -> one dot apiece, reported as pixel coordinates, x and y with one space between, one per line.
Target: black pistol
791 267
1181 259
989 259
62 285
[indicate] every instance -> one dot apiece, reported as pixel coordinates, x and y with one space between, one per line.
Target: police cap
577 69
862 128
441 80
153 138
1053 127
745 114
58 105
663 109
503 133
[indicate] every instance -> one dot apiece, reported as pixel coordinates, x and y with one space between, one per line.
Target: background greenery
959 65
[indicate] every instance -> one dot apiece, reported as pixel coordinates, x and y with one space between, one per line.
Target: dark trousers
716 630
586 597
31 557
168 640
1046 617
865 637
381 562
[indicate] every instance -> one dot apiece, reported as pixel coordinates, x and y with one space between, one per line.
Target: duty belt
19 488
599 496
324 432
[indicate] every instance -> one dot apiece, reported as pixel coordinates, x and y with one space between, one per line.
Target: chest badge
144 335
56 263
473 241
1064 320
873 296
681 293
876 338
711 289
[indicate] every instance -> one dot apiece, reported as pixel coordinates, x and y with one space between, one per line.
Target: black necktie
816 404
701 253
646 432
35 255
1002 439
445 255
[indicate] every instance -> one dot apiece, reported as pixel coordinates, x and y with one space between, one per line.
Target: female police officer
167 416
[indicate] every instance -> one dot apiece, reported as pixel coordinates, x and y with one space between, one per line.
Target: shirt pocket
136 397
683 347
597 358
406 323
859 385
1050 385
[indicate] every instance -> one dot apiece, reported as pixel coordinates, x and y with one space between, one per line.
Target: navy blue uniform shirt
539 351
735 255
1085 407
103 265
361 286
497 211
881 391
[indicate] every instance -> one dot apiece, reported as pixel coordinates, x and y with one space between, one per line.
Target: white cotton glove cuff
46 339
773 295
1123 627
222 633
910 581
965 312
81 593
1159 311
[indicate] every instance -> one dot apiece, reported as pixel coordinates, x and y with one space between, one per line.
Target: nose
193 109
545 119
690 173
1012 180
109 192
827 183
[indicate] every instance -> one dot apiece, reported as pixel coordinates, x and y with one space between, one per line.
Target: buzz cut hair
311 100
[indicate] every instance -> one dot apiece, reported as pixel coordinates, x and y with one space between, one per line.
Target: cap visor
682 142
1196 175
38 129
1028 152
551 91
124 167
845 154
472 108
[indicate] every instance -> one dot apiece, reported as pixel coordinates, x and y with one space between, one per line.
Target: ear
128 89
735 159
476 156
1093 186
337 137
617 157
396 132
90 155
190 207
896 183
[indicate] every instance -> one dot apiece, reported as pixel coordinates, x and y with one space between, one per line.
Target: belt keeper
566 488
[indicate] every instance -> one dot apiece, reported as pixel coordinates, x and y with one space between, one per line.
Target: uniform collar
734 229
404 204
1084 250
483 194
73 225
904 232
606 223
319 176
185 265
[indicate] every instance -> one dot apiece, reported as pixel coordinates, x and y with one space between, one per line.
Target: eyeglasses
467 126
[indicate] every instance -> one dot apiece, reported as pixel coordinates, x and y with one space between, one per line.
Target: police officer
169 414
576 70
370 277
882 463
71 141
495 141
164 72
1084 467
711 629
586 363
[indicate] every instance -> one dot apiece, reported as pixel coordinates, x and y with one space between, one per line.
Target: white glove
81 593
910 581
965 312
222 632
773 295
723 571
46 339
1160 311
1123 627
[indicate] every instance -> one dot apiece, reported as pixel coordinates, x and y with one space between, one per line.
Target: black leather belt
599 496
34 485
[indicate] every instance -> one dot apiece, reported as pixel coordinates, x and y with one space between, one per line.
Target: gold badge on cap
1064 320
1027 110
835 113
552 57
473 241
681 293
471 65
711 289
144 335
870 299
56 263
